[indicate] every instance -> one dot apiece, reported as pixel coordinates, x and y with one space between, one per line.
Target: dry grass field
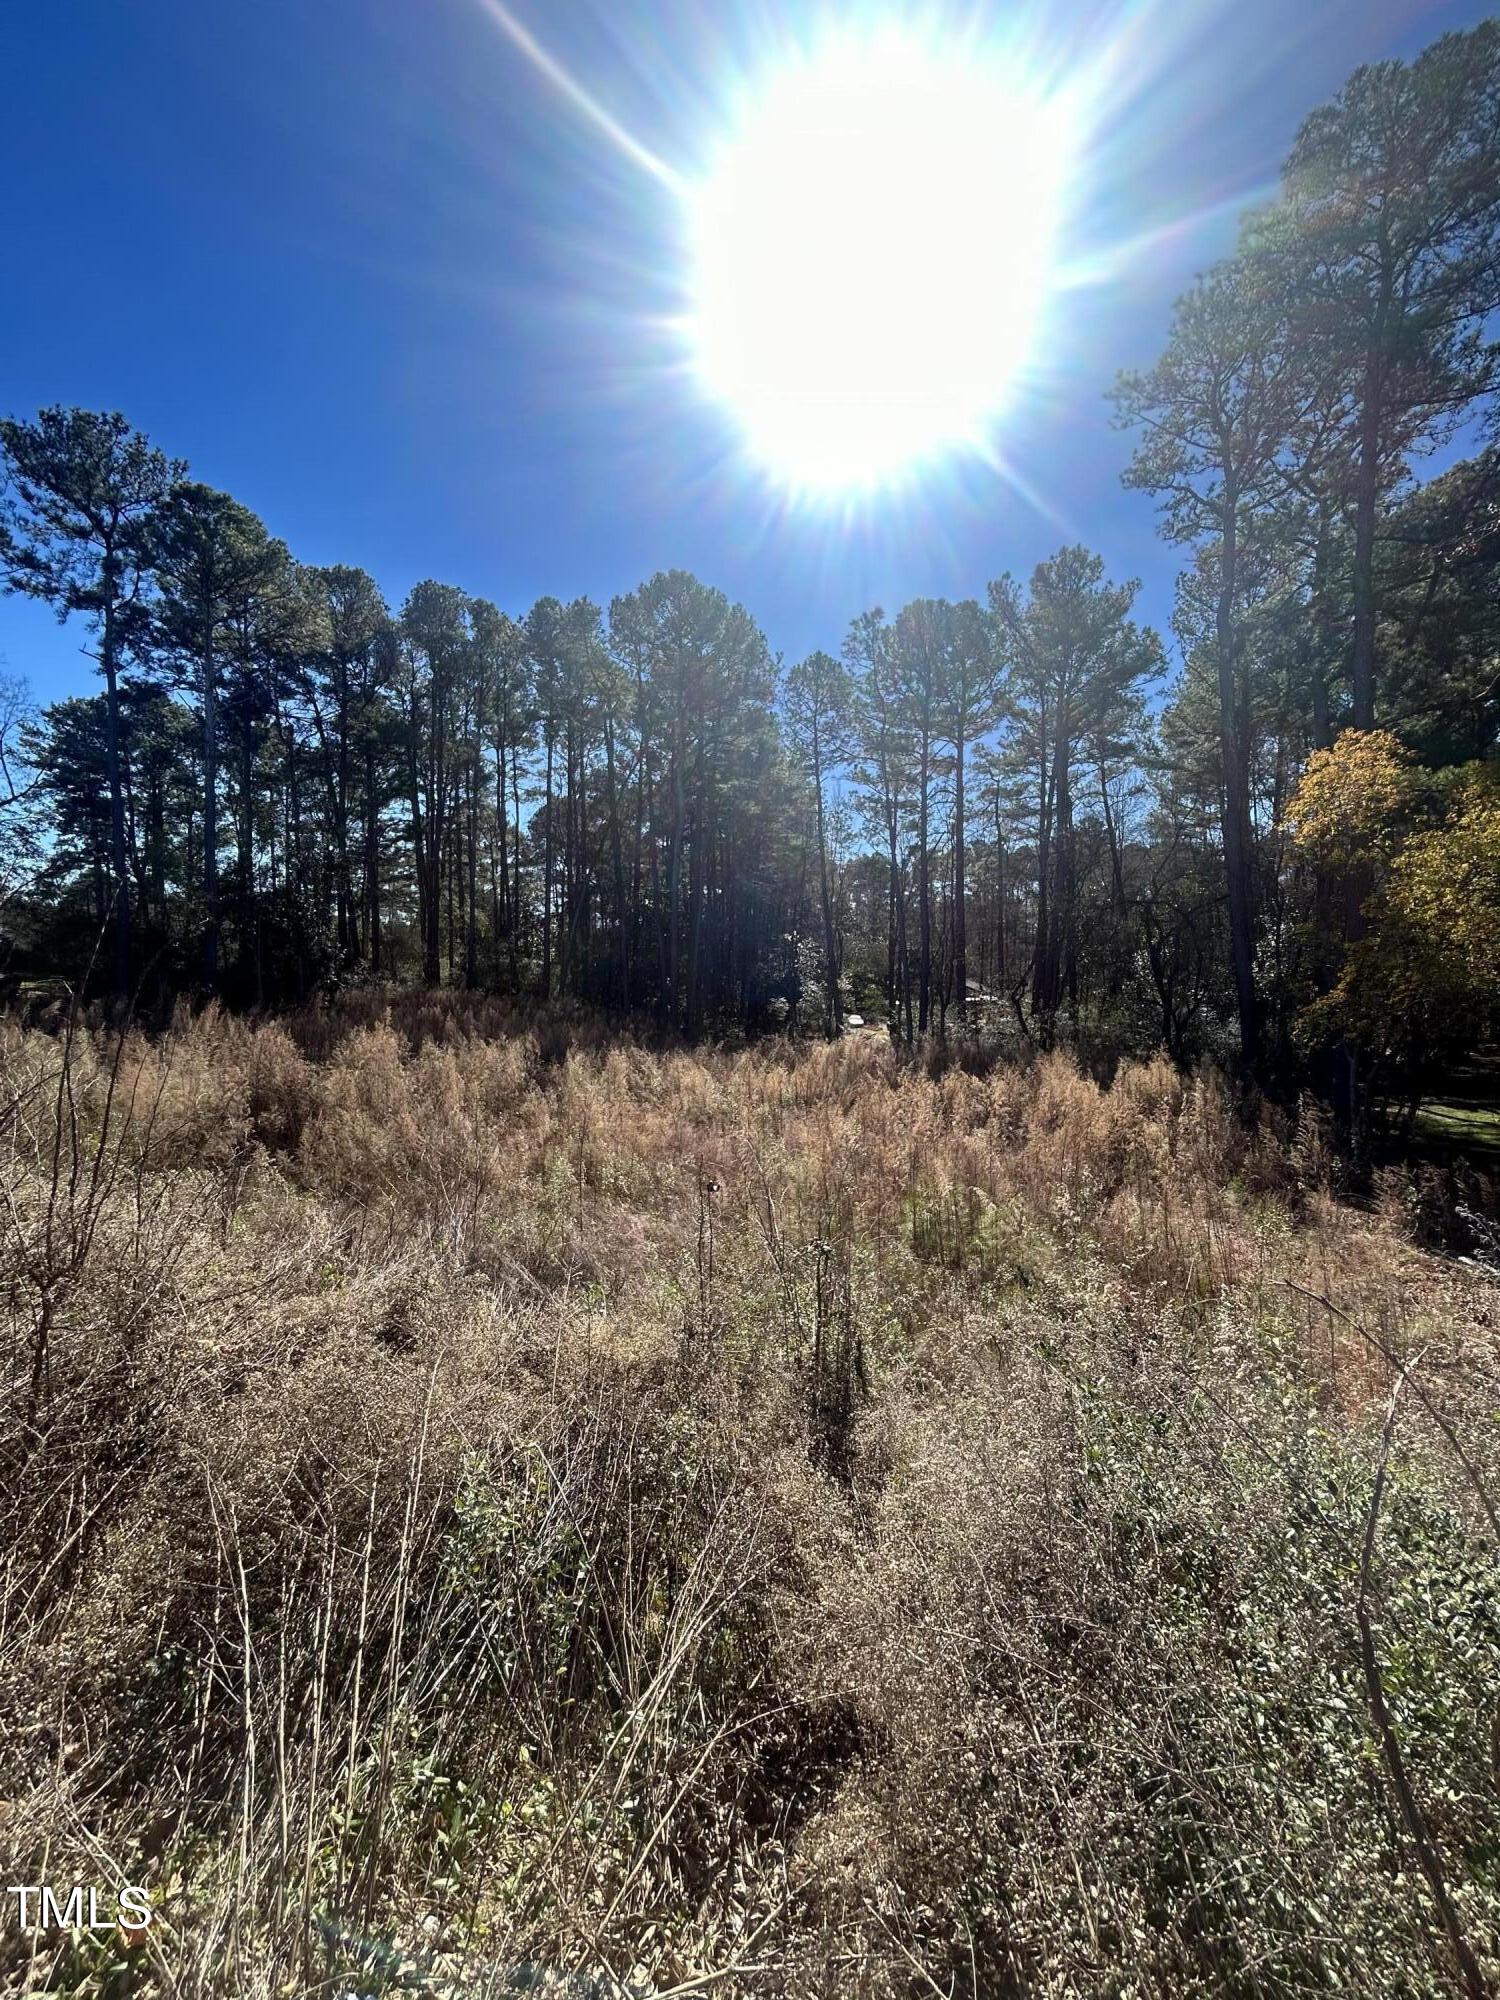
492 1506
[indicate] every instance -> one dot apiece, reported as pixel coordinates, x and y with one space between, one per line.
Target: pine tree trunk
1234 751
830 949
210 813
960 887
547 878
109 649
1366 502
924 892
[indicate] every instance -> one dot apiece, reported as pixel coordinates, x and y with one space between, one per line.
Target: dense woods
1004 812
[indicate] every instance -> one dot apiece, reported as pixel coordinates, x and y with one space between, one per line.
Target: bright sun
871 251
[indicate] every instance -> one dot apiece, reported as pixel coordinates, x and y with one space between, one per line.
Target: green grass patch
1472 1127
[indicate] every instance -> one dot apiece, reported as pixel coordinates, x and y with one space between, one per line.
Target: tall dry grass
489 1501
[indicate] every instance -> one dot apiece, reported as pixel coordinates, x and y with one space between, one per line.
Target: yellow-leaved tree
1420 987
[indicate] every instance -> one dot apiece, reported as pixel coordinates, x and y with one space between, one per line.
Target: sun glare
871 252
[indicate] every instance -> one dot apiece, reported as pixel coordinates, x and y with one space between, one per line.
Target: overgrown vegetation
487 1500
1001 810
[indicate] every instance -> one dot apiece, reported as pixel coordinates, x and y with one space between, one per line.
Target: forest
1004 811
678 1323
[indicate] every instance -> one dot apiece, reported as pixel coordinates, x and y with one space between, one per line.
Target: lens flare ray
567 85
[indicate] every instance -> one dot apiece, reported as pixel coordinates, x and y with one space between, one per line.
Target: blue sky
362 265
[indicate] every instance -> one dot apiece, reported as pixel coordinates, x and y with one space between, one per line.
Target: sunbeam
871 252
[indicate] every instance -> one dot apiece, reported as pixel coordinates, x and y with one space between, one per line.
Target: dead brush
966 1604
82 1139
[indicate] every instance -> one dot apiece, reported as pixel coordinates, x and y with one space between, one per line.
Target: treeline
993 811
